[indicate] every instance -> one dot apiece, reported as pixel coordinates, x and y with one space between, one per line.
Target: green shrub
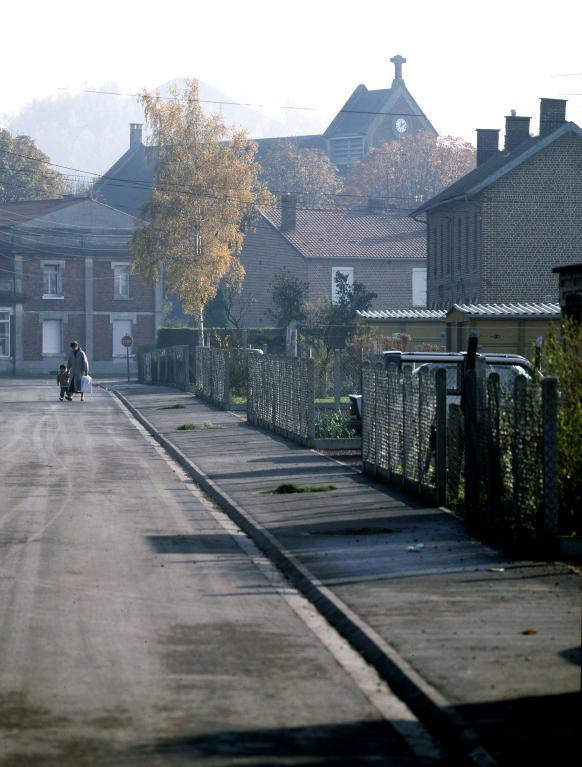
332 424
562 357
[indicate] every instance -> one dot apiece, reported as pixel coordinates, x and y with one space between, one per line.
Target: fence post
441 436
494 446
519 447
470 414
550 456
310 366
227 378
337 377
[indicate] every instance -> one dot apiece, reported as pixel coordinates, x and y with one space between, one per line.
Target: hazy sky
468 63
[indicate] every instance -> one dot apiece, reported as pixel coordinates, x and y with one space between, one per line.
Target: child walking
63 381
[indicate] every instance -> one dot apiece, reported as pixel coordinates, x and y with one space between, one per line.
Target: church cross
398 61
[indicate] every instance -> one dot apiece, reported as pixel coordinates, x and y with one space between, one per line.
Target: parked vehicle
508 366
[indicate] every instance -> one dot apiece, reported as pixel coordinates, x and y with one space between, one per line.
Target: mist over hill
90 131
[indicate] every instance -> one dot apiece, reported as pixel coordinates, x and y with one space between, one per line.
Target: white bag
86 385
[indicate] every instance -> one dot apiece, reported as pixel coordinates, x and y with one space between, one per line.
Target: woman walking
78 366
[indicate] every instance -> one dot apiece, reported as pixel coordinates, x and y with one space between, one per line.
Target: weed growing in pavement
289 487
198 426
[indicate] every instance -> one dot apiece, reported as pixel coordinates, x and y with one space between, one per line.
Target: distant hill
90 131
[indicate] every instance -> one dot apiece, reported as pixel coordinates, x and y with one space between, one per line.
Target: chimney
288 212
487 144
516 130
552 115
135 135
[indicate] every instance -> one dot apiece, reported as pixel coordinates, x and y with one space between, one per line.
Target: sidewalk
469 638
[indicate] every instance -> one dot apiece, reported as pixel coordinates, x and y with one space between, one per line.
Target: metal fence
169 366
399 428
493 458
502 455
281 395
212 380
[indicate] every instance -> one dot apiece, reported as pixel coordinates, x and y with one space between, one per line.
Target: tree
206 189
333 321
412 168
288 297
305 172
25 172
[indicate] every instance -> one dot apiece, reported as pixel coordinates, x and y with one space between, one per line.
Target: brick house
383 249
64 275
495 235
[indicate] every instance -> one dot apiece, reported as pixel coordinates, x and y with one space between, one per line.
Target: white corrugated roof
403 314
508 310
475 310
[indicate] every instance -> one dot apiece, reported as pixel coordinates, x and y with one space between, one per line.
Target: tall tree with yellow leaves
206 189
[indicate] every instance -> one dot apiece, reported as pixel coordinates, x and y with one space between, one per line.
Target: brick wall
141 296
265 254
532 222
454 259
525 223
72 275
390 280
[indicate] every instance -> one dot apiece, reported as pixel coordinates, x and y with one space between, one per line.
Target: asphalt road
135 628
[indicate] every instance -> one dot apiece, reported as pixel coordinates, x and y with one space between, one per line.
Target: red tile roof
354 234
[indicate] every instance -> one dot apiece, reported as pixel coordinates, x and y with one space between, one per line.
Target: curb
431 708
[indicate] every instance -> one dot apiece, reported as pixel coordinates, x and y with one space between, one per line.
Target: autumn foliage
411 169
205 190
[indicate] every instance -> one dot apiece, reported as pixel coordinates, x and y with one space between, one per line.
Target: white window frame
419 286
58 288
349 270
120 281
59 350
120 351
5 328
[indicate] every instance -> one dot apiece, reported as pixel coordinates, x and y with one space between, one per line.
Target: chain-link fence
169 366
398 427
502 455
212 380
281 395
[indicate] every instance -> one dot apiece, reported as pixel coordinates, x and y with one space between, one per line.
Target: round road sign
127 340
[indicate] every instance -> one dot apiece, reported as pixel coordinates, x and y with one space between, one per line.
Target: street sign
126 340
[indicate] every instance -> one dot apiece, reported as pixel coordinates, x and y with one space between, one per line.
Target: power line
259 106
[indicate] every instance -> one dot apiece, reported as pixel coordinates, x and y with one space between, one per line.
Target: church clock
400 126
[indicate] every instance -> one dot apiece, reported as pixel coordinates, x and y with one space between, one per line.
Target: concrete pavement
475 641
138 629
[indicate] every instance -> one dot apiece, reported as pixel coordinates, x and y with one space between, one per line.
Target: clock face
400 125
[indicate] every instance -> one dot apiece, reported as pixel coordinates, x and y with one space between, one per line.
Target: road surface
138 628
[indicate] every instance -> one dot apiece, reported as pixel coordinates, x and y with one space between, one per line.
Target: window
419 287
52 337
52 281
121 281
4 333
346 151
120 328
346 271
